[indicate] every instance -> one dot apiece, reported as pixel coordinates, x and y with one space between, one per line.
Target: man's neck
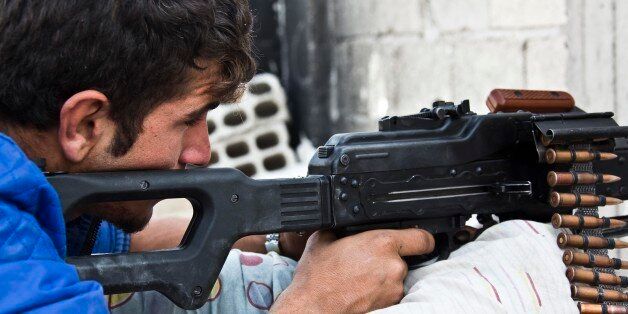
36 144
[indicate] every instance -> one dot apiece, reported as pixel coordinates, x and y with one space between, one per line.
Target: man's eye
193 121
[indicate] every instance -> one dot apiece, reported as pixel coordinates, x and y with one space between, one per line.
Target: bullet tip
613 201
612 178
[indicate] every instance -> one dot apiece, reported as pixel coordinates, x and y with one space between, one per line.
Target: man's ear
81 123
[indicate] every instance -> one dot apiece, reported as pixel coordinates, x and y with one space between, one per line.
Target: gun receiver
432 170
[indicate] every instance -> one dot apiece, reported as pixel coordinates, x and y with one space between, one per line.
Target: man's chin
133 225
130 216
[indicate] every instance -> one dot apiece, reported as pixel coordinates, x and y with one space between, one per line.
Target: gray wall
352 61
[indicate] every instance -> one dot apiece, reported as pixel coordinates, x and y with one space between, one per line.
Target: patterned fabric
513 267
248 283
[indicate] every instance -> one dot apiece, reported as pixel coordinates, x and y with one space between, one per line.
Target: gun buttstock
227 205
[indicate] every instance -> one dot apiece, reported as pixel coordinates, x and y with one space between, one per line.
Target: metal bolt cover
343 180
344 196
344 160
354 183
197 291
453 172
235 198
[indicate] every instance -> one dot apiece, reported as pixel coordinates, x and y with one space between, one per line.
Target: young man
107 85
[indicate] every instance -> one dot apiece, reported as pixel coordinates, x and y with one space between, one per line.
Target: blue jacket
33 275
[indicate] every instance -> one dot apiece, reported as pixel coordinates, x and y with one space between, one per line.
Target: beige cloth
513 267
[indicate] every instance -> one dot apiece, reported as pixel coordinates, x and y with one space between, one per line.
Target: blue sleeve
111 239
32 275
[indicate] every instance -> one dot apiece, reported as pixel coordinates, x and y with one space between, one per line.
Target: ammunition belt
605 289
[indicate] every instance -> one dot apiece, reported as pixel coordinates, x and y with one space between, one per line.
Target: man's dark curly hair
139 53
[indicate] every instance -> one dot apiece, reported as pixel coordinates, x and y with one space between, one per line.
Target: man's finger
322 237
413 241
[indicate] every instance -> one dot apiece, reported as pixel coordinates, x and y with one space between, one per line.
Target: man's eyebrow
196 113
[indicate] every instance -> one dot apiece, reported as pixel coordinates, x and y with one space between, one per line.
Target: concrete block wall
394 57
352 61
251 135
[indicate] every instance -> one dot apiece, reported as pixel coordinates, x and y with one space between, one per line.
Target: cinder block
527 13
261 151
262 162
546 63
375 17
264 102
459 15
481 66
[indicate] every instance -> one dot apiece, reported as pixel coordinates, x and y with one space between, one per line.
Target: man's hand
292 244
358 273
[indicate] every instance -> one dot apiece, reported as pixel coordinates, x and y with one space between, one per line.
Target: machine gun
432 170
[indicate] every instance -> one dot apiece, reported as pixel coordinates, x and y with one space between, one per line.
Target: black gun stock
227 205
431 170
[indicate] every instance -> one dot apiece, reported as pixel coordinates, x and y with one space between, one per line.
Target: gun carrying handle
227 205
536 101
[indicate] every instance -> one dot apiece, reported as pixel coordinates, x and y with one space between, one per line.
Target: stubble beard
130 216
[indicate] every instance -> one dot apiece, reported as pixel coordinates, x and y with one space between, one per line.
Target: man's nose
196 148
